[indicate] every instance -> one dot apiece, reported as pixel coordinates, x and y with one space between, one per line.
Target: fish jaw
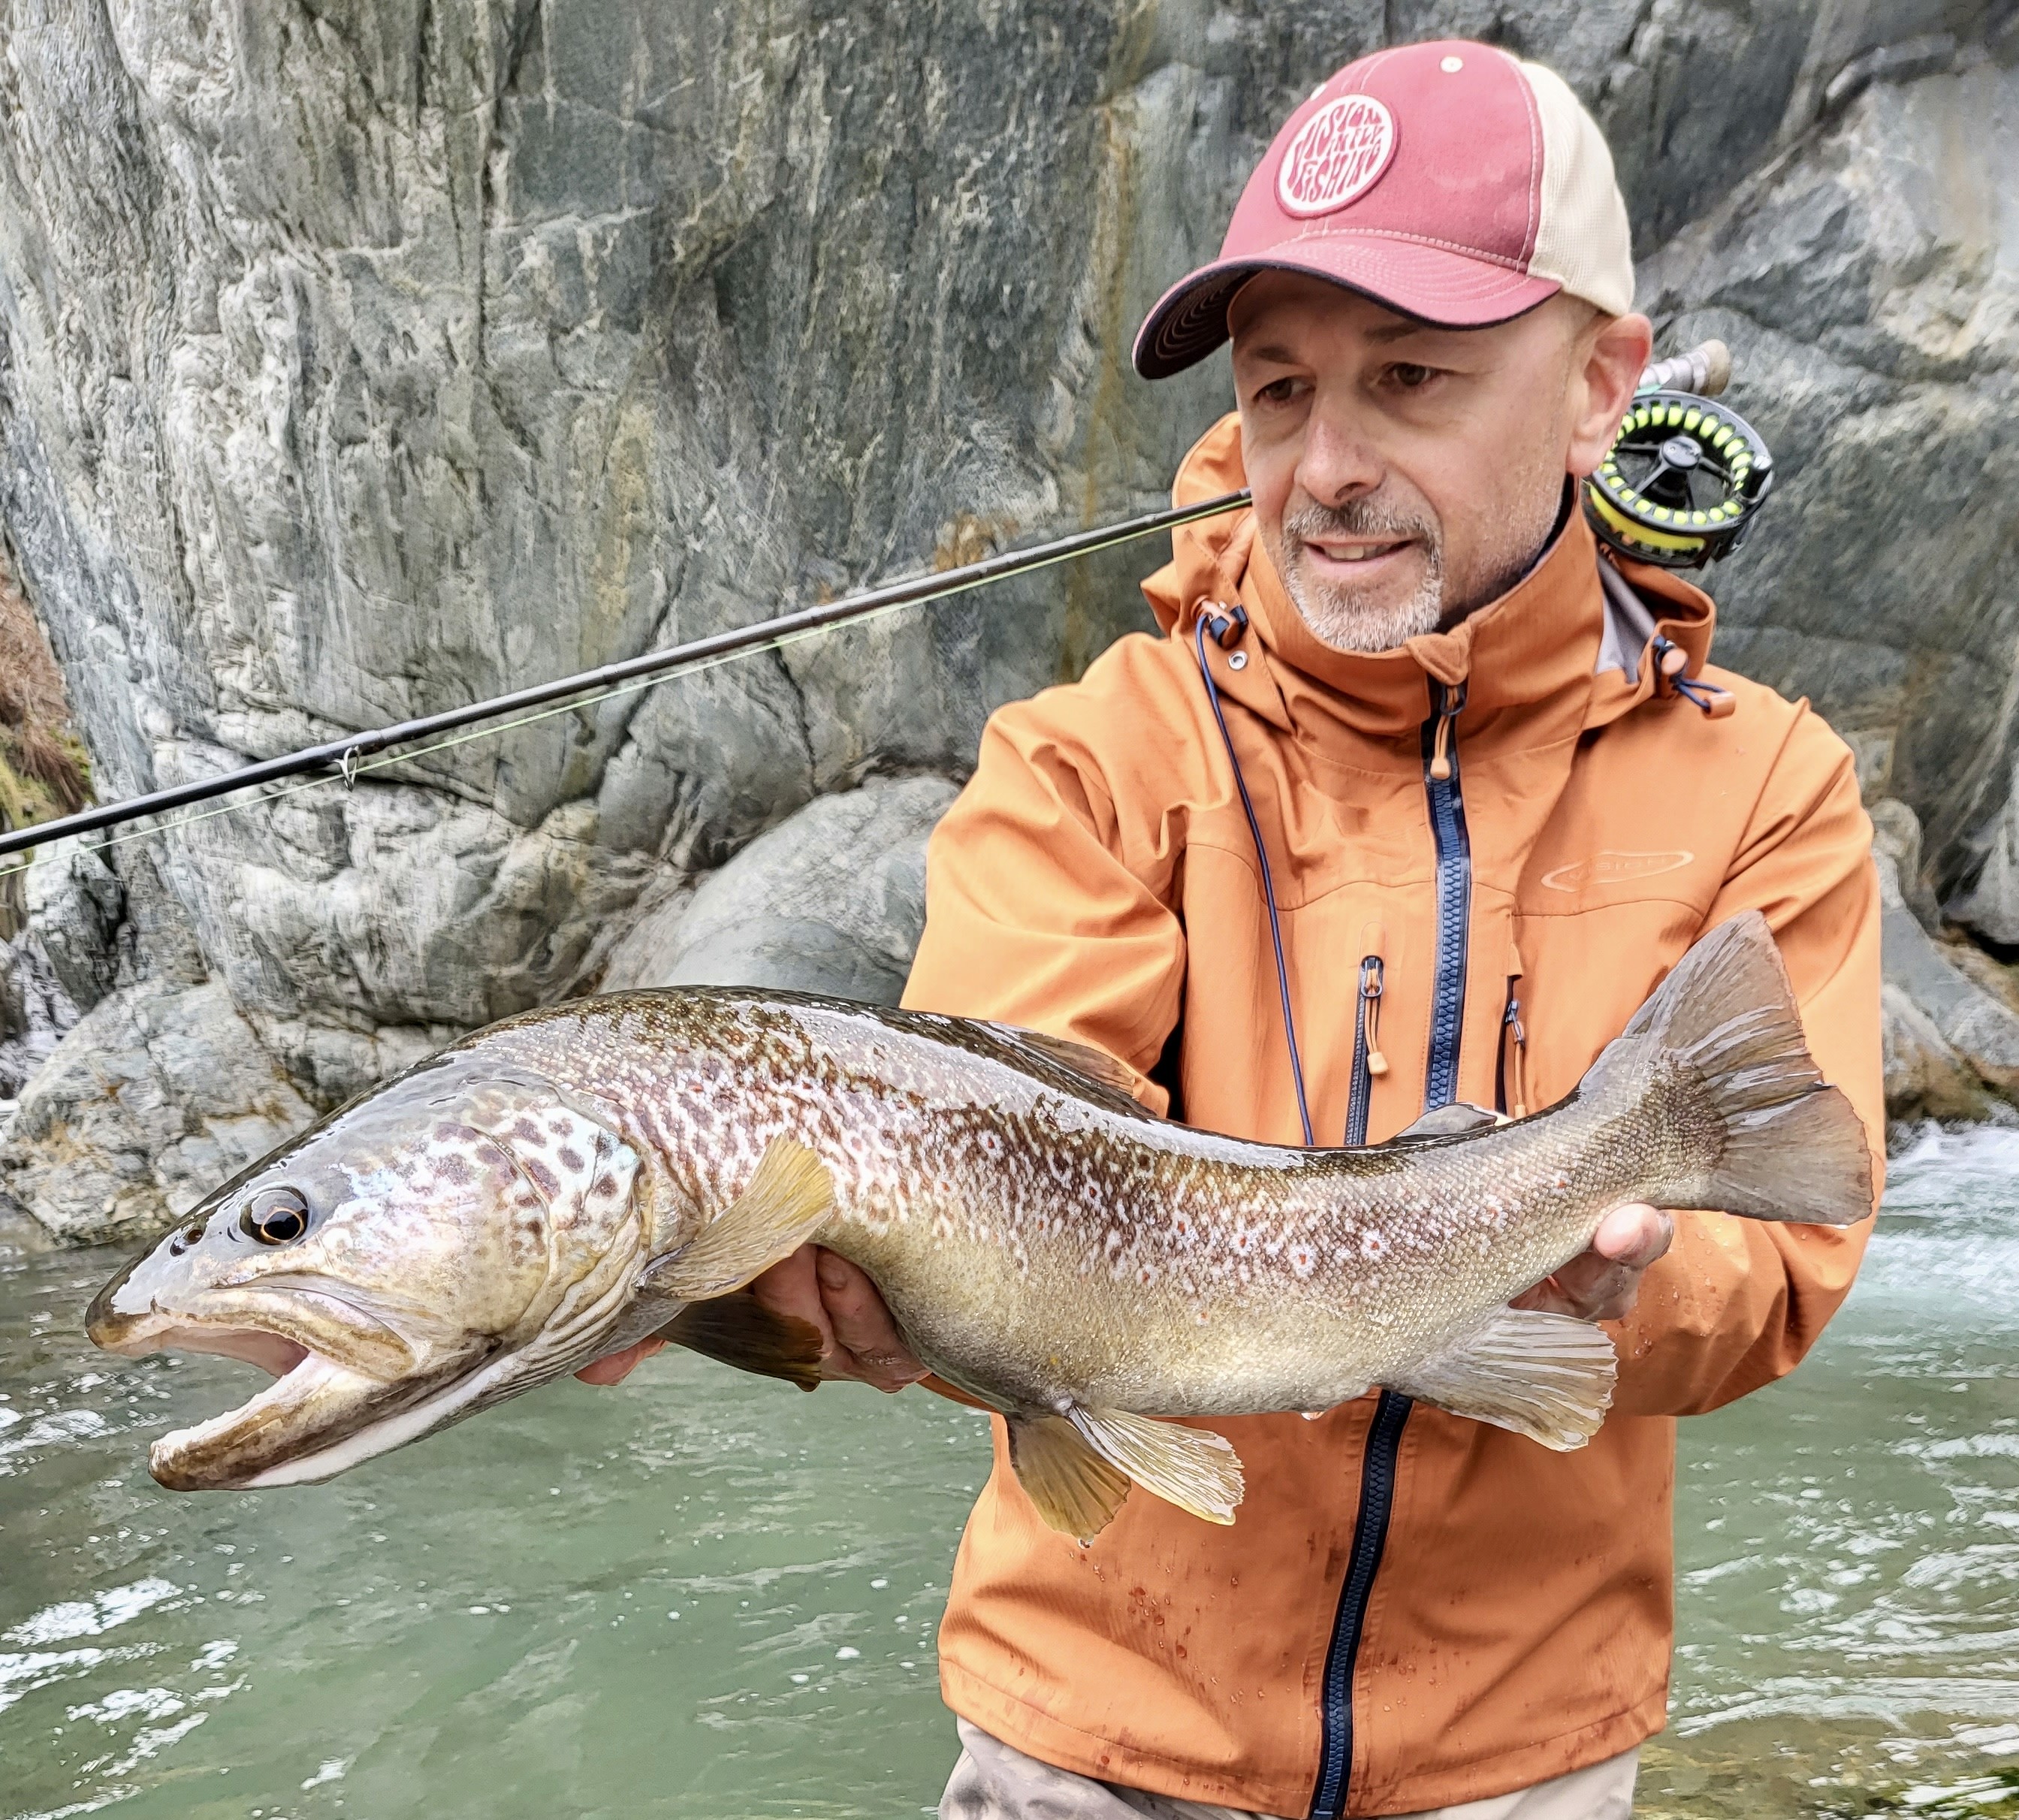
316 1403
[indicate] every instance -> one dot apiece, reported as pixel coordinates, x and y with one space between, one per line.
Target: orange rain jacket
1510 1614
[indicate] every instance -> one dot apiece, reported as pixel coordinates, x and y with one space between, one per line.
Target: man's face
1404 475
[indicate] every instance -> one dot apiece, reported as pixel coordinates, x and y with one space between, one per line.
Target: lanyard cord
1268 888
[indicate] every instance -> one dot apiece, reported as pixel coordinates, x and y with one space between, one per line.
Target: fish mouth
317 1417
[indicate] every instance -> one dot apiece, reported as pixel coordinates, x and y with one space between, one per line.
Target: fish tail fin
1725 1028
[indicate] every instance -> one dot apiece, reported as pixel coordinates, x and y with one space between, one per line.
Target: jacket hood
1538 642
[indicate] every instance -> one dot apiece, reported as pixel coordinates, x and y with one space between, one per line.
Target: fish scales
573 1179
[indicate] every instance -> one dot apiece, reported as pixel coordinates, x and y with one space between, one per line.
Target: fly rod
340 757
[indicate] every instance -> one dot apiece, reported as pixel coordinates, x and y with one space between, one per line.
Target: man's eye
1277 392
1411 377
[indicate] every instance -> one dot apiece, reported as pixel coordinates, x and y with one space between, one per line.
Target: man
1390 734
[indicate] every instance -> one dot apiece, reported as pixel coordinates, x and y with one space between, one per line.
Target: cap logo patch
1338 153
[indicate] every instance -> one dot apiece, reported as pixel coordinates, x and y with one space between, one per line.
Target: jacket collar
1535 648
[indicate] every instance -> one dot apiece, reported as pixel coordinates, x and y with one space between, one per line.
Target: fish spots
541 1177
526 1132
1374 1244
1303 1259
569 1160
604 1188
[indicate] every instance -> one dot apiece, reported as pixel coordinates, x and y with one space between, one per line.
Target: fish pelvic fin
1548 1376
1192 1468
739 1330
787 1203
1075 1491
1724 1027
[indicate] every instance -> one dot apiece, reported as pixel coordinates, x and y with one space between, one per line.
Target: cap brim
1434 284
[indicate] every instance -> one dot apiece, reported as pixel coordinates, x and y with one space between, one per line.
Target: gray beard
1337 617
1340 620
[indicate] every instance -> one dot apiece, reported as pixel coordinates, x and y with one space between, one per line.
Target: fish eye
275 1216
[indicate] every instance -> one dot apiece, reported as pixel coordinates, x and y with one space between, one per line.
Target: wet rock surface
358 362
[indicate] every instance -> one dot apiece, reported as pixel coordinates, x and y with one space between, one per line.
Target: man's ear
1607 360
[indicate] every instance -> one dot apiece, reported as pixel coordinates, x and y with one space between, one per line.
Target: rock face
832 900
360 360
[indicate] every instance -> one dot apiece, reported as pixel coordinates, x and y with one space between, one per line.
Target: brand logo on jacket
1338 153
1611 867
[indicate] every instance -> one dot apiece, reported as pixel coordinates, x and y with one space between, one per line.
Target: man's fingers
793 1288
1601 1284
862 1325
613 1367
1634 1235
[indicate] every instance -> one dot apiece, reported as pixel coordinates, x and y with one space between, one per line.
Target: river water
704 1597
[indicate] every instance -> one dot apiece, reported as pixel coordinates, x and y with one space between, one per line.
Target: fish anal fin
1075 1491
1453 1120
787 1203
1095 1067
739 1330
1192 1468
1548 1376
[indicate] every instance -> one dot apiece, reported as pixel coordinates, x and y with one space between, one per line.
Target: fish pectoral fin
1074 1488
788 1202
1548 1376
1192 1468
1452 1121
739 1330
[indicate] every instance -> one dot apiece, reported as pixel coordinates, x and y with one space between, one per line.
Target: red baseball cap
1450 182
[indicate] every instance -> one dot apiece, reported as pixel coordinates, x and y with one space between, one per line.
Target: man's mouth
1359 553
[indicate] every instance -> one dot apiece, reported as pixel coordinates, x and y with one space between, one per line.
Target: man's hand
1602 1284
858 1338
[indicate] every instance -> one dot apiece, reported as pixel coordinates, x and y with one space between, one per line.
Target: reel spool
1685 477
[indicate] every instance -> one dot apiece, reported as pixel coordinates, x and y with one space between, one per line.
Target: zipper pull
1370 971
1450 703
1511 1024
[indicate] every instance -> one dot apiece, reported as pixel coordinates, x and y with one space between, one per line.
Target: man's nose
1338 462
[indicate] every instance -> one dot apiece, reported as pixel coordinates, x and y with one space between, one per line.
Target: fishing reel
1684 481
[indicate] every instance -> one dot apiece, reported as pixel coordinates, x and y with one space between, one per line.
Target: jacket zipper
1368 1063
1454 851
1391 1413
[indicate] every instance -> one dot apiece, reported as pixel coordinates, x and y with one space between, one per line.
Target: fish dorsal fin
1075 1491
739 1330
1548 1376
1452 1121
1097 1068
787 1202
1192 1468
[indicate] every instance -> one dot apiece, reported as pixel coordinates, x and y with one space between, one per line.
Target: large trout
572 1179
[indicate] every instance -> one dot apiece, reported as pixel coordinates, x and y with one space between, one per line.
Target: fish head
461 1233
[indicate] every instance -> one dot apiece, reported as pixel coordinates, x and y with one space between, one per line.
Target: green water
705 1597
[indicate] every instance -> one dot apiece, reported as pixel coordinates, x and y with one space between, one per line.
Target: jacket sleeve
1033 915
1737 1303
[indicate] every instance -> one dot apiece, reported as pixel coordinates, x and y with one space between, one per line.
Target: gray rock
1942 1028
77 909
1925 1077
36 1010
106 1144
832 900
